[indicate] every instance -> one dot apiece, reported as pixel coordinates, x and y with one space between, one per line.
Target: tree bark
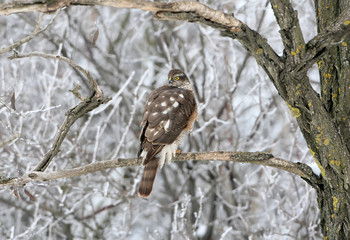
334 200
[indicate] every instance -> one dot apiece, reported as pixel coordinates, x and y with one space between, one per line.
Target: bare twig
184 11
195 11
89 103
260 158
9 140
37 30
101 210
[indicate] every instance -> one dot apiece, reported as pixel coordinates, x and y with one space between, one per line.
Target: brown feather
191 120
149 174
152 151
169 110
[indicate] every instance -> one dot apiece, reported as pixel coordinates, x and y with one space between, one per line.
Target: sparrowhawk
168 117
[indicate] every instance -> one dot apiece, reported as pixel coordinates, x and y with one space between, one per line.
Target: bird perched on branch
168 117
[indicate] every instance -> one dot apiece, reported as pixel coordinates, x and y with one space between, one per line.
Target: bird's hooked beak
170 80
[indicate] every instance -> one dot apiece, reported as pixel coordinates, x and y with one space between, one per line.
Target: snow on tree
73 80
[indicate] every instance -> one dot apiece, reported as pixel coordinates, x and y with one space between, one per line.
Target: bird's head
177 78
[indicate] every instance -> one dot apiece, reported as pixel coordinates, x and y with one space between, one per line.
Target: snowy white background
239 111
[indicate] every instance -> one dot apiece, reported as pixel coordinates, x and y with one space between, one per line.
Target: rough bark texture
334 200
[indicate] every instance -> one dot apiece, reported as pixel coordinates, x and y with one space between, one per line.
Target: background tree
125 51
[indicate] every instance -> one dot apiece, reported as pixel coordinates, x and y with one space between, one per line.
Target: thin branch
291 34
254 43
11 139
317 47
36 31
195 11
260 158
184 11
94 100
101 210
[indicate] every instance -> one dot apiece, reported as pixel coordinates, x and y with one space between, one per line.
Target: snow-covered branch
37 30
87 104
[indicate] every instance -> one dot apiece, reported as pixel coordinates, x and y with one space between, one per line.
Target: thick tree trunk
324 120
334 198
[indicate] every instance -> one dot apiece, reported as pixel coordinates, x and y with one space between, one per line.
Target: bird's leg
174 151
166 154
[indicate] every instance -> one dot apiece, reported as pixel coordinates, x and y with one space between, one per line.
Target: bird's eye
176 78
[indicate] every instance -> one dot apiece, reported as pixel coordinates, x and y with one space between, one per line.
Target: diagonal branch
317 47
254 43
185 11
291 34
36 31
198 8
251 40
260 158
94 100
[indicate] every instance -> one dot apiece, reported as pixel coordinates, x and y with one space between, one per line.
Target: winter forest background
129 54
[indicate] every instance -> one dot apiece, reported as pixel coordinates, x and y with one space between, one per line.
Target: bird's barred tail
149 174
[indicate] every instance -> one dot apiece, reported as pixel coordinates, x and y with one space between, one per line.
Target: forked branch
86 105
